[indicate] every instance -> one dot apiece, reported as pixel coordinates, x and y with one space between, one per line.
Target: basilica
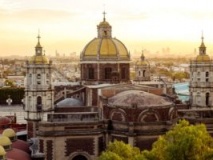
107 105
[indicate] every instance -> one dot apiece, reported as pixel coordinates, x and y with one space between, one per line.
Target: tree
9 83
118 150
183 142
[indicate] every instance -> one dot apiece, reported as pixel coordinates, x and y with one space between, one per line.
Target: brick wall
79 144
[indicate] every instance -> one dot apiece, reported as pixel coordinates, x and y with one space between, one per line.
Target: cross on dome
104 14
38 36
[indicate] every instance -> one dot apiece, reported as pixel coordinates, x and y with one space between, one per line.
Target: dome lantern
202 57
142 57
38 48
39 57
104 28
202 48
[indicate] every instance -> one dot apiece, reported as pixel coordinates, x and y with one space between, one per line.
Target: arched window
79 157
91 73
38 76
123 73
108 72
144 73
207 99
207 74
39 103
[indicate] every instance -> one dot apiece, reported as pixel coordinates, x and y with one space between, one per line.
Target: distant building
142 69
17 81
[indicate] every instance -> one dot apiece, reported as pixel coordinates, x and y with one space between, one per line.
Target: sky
66 26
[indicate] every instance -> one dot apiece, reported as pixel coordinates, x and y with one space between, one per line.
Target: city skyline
67 26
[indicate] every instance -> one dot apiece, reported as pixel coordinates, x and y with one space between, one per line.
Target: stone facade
39 93
201 80
73 135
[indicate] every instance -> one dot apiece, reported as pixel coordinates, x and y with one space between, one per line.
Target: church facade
111 107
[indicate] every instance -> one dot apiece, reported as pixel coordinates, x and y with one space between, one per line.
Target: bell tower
104 28
39 92
200 86
142 69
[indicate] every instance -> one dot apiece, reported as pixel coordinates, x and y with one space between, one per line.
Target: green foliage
183 142
9 83
180 75
16 94
118 150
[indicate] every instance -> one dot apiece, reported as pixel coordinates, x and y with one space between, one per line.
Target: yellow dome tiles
202 58
5 141
9 133
104 47
142 63
107 48
92 48
2 151
104 24
121 48
39 60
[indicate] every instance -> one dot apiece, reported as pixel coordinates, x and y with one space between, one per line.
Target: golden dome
39 59
202 45
142 63
9 133
106 48
104 24
202 58
2 151
5 141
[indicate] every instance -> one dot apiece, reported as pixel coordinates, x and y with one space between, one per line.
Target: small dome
9 132
5 141
5 120
106 48
202 58
21 145
69 102
42 59
2 151
104 24
139 98
142 63
17 154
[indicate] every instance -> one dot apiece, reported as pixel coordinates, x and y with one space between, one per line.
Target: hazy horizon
67 26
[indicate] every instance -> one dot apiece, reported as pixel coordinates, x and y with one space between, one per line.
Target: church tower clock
39 92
